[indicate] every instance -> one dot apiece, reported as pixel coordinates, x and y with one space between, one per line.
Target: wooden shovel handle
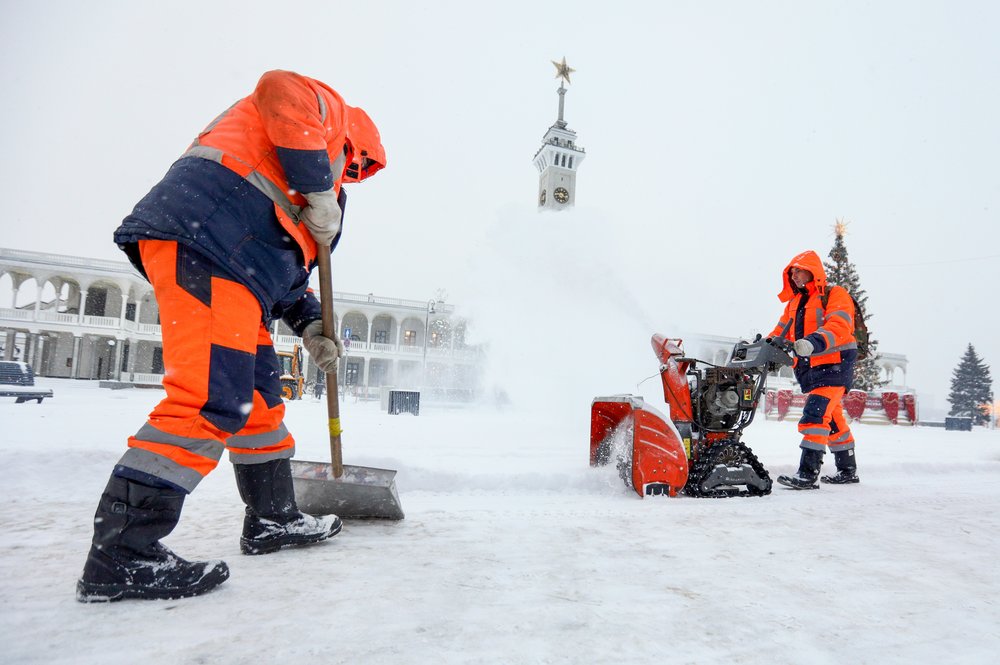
329 330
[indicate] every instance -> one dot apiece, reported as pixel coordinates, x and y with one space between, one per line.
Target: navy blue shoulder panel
306 170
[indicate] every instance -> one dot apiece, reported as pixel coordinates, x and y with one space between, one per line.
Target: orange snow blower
697 447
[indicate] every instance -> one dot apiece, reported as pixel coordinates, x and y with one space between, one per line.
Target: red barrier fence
875 407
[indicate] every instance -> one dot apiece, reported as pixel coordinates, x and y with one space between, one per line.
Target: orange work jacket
287 138
830 328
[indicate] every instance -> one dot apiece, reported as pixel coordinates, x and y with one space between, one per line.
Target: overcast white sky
722 138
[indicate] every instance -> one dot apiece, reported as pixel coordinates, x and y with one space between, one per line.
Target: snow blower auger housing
642 441
698 447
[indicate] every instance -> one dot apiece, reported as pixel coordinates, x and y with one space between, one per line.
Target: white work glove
803 347
323 350
322 216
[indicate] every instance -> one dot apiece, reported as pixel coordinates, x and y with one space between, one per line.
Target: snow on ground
514 550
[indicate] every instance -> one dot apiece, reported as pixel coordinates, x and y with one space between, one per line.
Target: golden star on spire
840 227
563 70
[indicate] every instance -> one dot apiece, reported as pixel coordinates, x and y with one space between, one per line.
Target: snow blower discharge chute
697 449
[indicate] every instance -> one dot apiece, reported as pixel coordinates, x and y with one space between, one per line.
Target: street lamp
427 321
112 361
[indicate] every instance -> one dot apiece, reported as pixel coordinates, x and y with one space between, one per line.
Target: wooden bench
25 395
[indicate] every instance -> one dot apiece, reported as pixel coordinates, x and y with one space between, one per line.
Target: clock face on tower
541 198
560 194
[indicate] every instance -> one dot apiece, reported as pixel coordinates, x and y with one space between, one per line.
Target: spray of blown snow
562 323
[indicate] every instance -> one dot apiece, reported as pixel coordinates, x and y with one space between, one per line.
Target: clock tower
559 157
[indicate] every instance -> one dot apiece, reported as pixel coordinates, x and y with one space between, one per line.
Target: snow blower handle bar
781 341
784 346
763 355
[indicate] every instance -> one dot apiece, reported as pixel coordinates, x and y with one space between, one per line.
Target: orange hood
807 260
367 153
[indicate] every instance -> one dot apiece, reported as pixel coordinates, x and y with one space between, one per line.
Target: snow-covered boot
847 469
808 474
272 518
127 560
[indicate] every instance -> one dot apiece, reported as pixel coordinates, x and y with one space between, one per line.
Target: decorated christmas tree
971 388
840 271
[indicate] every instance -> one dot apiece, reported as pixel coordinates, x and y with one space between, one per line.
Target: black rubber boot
809 465
273 519
847 469
127 560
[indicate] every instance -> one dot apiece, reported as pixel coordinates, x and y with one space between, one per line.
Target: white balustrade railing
142 378
101 321
381 347
286 340
149 328
58 317
61 260
422 305
16 314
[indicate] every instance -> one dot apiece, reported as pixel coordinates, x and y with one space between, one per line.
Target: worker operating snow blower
696 448
826 325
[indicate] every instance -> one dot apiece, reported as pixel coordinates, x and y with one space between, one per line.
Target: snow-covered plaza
514 550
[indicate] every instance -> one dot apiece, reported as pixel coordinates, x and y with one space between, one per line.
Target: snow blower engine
697 448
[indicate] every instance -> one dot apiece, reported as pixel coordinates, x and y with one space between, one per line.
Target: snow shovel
350 492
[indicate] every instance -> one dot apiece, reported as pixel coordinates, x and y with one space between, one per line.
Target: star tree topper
840 227
563 70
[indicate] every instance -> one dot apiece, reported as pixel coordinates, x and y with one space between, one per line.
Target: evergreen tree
840 271
971 388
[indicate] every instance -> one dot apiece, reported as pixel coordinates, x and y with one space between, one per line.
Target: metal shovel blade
362 492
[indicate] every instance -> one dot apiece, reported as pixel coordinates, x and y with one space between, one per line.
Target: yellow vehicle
292 379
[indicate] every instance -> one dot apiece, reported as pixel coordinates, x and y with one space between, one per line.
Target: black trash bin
958 423
404 401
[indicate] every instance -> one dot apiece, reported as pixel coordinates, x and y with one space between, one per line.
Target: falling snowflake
246 408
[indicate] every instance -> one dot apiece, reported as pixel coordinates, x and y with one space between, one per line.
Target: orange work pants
823 424
221 375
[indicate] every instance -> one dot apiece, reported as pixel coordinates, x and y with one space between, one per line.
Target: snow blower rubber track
727 469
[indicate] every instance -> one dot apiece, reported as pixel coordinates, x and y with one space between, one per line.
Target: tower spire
559 157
